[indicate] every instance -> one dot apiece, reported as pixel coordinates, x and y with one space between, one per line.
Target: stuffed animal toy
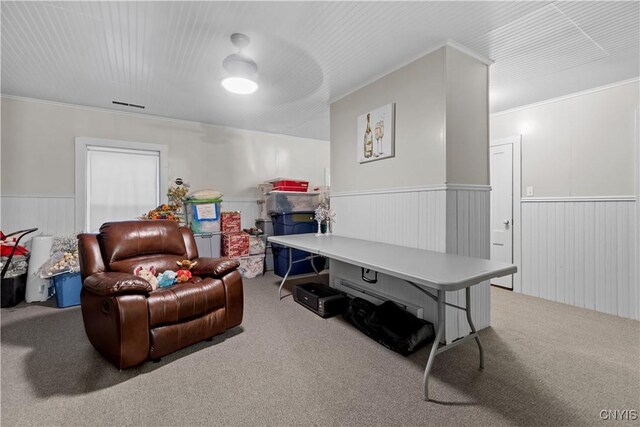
183 275
167 278
147 274
186 264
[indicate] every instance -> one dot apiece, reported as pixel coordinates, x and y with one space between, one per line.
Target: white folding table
425 270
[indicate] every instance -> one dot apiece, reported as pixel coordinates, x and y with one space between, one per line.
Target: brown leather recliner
127 321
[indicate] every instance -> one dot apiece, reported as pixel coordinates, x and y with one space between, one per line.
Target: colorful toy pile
168 277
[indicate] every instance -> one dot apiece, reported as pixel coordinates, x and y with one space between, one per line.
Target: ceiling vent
128 105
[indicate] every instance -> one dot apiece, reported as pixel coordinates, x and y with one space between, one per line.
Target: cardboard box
230 222
235 244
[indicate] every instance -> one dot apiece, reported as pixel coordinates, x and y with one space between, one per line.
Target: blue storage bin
294 223
67 288
281 261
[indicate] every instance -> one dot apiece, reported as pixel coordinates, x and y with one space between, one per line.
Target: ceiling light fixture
242 68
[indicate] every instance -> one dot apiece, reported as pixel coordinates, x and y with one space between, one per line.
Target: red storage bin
282 184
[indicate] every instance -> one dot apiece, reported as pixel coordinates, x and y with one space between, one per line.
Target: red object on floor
7 246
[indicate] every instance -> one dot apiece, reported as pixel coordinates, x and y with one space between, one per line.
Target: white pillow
205 194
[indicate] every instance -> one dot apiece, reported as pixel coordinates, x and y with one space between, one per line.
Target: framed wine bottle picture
376 130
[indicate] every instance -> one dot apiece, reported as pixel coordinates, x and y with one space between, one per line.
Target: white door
502 209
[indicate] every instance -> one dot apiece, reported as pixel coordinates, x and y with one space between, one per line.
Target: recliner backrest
127 244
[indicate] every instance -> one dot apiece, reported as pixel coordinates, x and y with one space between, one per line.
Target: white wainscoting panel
443 220
468 234
582 252
53 215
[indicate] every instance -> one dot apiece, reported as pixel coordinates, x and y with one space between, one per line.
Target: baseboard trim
578 199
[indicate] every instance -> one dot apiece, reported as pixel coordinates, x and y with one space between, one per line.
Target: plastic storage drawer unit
67 287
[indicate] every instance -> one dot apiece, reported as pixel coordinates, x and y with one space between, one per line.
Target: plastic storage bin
67 287
13 290
294 223
281 261
284 184
289 202
208 244
203 215
14 271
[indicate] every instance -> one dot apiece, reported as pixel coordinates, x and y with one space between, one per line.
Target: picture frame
376 134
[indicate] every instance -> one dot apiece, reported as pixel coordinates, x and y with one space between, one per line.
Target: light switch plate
529 191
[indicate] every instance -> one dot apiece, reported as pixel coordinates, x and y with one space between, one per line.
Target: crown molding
565 97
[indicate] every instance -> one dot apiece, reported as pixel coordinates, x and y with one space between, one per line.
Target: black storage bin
13 290
281 261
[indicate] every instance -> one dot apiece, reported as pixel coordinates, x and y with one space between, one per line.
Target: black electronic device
322 300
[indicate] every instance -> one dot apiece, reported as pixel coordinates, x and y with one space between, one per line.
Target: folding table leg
286 275
435 346
473 328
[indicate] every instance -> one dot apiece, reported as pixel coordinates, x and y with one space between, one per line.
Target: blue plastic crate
294 223
281 261
67 287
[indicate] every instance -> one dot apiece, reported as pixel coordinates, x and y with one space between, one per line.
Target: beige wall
441 126
579 146
38 149
467 129
418 91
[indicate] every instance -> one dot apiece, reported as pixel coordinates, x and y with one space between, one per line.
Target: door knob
505 222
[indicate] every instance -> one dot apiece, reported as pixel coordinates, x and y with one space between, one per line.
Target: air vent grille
126 104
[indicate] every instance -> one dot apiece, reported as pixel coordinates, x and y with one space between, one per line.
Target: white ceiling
167 56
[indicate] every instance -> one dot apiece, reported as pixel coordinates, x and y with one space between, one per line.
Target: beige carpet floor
546 364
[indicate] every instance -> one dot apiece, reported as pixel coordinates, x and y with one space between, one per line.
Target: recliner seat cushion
185 301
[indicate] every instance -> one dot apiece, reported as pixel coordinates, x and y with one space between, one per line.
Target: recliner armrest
112 283
216 267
